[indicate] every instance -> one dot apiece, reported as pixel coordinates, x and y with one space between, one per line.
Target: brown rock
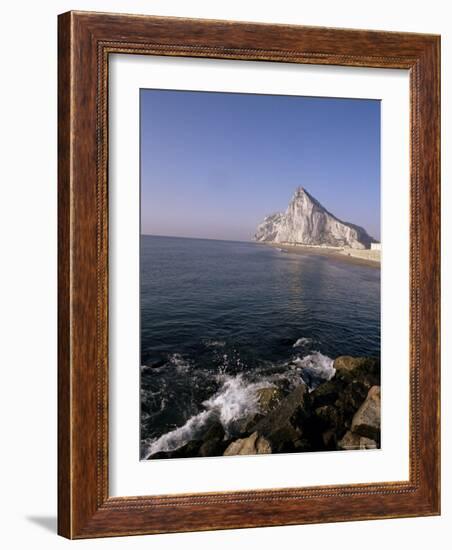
245 425
327 393
366 370
282 426
335 403
329 439
352 397
346 363
213 447
366 421
252 445
268 399
214 443
329 416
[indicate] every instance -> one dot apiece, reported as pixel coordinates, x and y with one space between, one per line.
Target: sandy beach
361 257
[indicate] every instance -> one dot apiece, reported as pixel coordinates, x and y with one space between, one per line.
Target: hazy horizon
196 238
213 165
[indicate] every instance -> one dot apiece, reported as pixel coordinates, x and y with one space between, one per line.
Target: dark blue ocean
221 319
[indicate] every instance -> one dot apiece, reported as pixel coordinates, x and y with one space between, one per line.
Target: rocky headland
307 223
340 414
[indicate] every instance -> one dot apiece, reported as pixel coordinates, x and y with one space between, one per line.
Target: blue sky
213 165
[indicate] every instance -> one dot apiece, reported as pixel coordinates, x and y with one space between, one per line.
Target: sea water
222 319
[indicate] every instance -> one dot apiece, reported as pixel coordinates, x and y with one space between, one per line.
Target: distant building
375 246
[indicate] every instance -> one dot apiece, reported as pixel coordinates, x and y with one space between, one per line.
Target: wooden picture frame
85 42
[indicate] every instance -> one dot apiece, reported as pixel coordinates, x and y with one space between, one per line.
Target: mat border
85 41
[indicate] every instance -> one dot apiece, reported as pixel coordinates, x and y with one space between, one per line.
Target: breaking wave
236 399
180 436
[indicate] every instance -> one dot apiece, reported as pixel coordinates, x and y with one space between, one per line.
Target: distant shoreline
349 254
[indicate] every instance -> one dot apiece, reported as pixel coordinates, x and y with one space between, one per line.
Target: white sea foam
315 368
235 400
303 342
176 360
178 437
215 343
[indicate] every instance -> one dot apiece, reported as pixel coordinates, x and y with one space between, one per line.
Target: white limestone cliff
307 222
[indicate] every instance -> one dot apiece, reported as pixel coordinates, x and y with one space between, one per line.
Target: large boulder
335 402
214 442
347 363
342 413
365 370
252 445
268 398
328 420
325 426
282 427
366 421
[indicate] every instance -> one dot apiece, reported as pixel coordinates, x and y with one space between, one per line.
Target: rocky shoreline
340 414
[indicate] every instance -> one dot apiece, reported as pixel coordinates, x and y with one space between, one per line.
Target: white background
28 271
128 476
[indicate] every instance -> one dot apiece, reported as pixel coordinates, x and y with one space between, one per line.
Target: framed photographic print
248 275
